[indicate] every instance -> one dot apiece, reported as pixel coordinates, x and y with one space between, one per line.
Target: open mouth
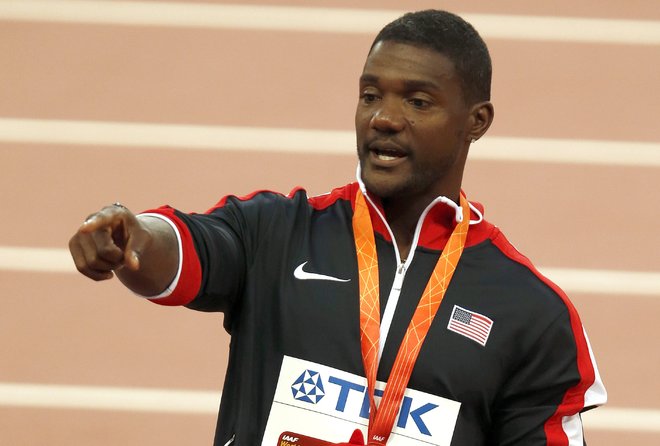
387 155
385 151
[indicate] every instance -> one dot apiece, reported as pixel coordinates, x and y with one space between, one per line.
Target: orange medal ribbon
381 418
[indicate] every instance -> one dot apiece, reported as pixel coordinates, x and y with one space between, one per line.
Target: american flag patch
470 324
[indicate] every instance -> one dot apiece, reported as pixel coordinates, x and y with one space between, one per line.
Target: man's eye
368 98
419 103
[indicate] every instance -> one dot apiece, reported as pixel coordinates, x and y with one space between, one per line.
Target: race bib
315 401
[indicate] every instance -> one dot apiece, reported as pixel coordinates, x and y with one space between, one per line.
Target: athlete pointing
390 305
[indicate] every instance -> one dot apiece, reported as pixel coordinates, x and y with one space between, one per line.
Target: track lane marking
309 141
327 20
206 402
574 280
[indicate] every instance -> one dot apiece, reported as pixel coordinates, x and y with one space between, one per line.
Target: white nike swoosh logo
301 274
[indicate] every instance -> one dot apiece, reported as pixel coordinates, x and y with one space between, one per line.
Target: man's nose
388 117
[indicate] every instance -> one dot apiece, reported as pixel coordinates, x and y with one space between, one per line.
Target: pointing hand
108 240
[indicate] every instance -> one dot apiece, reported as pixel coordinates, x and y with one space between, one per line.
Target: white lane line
571 280
132 399
605 281
334 20
570 151
176 136
310 141
39 260
139 399
622 419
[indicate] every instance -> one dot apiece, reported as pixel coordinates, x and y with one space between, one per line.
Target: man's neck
402 217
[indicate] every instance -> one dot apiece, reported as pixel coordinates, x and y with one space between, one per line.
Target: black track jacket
526 385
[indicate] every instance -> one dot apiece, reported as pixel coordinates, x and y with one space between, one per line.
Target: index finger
109 216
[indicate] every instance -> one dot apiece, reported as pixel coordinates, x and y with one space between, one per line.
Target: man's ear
481 117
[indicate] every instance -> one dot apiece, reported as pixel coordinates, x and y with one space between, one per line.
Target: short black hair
454 38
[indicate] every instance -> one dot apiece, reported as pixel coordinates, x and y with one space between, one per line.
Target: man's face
411 123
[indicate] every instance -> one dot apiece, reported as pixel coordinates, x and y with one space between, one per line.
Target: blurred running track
181 103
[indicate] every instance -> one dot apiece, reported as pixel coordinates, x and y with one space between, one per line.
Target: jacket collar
436 222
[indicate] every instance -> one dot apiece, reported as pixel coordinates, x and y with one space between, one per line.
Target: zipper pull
398 278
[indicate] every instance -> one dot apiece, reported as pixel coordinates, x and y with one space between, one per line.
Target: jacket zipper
392 303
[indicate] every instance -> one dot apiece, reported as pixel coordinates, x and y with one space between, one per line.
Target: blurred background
152 103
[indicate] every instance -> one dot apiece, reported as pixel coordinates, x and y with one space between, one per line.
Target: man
319 293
